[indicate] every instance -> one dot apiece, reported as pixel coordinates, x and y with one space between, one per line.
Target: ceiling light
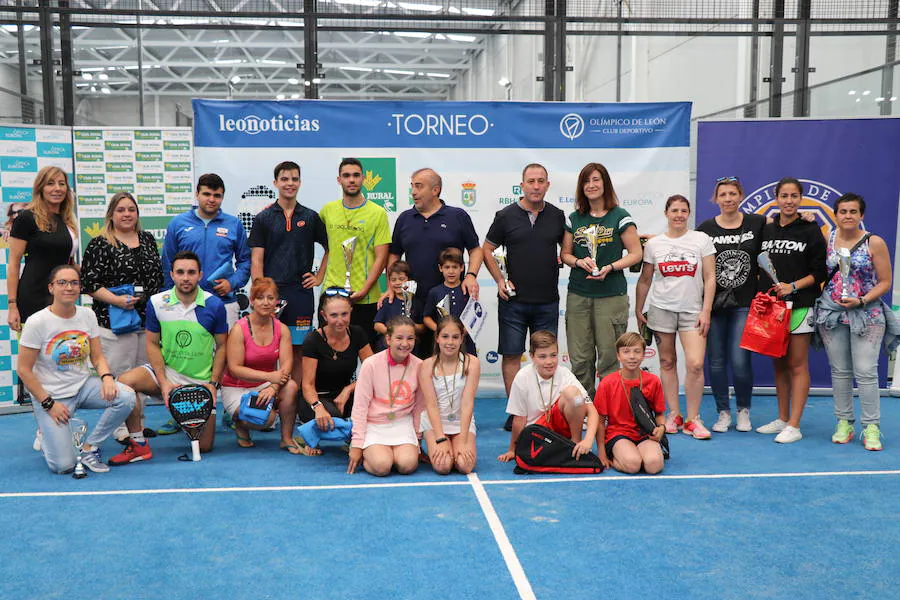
852 92
399 72
293 81
236 79
87 76
102 76
461 38
441 75
413 34
294 96
420 7
279 97
363 69
867 92
504 82
106 90
479 12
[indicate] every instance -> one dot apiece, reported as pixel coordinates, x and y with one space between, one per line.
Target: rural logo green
115 188
119 167
147 134
88 134
149 177
380 181
117 145
89 157
177 166
90 178
148 156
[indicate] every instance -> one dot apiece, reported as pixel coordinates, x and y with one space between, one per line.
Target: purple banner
830 157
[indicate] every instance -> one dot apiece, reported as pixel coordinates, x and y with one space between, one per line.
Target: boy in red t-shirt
621 443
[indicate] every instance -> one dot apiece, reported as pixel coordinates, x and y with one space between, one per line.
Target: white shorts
667 321
803 320
231 396
124 351
392 433
174 376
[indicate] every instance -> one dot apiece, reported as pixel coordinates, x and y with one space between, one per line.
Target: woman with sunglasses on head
56 346
597 304
797 250
11 213
737 237
680 264
260 359
852 320
331 355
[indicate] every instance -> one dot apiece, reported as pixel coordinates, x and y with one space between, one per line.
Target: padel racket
190 406
645 417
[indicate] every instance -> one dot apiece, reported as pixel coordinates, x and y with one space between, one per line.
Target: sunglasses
335 291
726 179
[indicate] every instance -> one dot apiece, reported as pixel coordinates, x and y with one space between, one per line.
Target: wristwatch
216 385
440 440
47 403
315 404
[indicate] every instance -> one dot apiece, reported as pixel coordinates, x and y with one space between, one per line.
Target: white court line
506 549
362 486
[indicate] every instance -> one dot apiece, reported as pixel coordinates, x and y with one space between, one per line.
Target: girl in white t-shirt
448 381
56 344
682 266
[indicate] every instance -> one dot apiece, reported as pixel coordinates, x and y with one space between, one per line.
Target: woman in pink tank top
259 359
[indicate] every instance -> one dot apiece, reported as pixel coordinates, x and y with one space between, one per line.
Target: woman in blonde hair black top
45 235
122 255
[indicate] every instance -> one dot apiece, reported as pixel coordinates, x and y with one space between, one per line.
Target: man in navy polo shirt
532 232
282 243
423 231
217 238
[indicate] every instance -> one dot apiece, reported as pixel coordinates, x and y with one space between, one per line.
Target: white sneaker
723 422
789 435
121 433
38 437
776 426
743 420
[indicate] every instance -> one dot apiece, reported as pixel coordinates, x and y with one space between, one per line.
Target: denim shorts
516 319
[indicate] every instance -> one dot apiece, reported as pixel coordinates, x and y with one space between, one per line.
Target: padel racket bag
542 450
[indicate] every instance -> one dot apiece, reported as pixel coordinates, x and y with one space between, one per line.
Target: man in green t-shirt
355 217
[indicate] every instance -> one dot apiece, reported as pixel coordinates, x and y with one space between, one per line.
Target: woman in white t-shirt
682 266
54 349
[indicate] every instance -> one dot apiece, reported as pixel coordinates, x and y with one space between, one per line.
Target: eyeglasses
727 179
67 283
13 213
335 291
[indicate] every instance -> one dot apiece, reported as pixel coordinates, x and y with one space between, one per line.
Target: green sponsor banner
91 200
88 134
148 134
179 188
148 156
119 167
90 178
151 199
115 188
177 166
117 144
88 157
155 225
177 209
149 177
176 145
380 181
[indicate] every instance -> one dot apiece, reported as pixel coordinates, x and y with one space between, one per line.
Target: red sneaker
134 452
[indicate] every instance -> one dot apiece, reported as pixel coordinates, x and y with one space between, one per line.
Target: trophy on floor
588 238
407 295
348 246
443 307
500 256
765 263
844 269
79 429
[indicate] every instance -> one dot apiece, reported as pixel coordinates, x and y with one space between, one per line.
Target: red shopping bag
768 326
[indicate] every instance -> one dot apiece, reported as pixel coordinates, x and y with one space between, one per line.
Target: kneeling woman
387 405
53 364
259 359
448 381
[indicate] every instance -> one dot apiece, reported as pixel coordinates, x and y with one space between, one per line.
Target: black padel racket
645 417
190 406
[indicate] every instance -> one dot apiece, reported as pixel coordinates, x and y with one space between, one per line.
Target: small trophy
407 295
500 256
844 269
765 263
589 237
79 428
443 307
348 246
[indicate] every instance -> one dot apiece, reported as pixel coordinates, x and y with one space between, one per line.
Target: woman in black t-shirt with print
737 238
331 355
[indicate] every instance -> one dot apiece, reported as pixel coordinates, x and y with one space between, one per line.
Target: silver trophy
844 269
443 307
407 295
79 429
588 238
348 246
500 256
765 263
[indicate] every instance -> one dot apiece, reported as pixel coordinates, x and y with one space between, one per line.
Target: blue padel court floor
735 517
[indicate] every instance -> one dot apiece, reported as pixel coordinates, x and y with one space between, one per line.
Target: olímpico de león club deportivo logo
817 199
571 126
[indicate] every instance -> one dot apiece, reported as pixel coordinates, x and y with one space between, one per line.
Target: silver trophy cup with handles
502 264
79 429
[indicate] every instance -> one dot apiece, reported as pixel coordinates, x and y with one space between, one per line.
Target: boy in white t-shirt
550 395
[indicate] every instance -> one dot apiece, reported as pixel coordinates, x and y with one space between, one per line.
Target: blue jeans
57 443
854 356
723 347
517 318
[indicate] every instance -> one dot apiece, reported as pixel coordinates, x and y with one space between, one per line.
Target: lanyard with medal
545 407
392 389
453 416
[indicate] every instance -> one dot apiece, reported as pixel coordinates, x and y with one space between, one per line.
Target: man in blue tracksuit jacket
217 238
